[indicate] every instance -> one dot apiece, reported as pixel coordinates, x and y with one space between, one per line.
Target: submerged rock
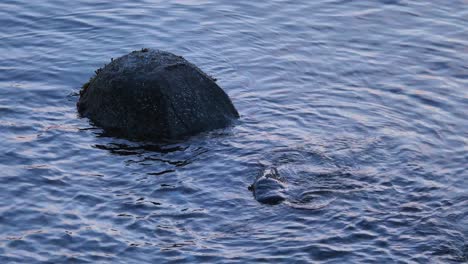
155 95
269 188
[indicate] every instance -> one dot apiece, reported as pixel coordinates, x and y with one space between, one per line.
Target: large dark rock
156 95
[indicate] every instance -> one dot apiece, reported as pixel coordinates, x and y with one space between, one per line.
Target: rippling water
361 105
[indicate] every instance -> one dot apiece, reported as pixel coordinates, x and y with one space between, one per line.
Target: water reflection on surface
360 106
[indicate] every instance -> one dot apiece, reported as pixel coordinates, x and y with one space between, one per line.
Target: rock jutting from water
154 95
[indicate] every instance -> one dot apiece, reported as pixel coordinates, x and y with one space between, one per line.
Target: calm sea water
361 105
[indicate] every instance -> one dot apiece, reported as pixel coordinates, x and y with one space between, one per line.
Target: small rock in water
269 188
154 95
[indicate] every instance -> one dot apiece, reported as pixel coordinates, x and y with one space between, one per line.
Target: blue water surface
361 105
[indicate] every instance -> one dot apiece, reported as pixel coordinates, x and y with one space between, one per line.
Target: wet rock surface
154 95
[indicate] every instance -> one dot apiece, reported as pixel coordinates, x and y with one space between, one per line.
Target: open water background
361 105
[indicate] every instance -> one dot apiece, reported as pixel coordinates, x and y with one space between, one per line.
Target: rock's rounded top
156 95
146 60
150 56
